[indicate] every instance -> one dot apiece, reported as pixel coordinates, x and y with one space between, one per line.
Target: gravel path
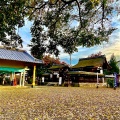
59 103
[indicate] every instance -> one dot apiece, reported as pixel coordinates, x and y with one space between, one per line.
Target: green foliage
39 71
65 23
75 85
44 83
11 16
113 64
106 72
30 80
65 84
56 26
110 82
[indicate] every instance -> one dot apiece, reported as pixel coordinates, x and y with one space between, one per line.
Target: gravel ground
59 103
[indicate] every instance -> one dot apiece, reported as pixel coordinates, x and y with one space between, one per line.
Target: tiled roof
17 55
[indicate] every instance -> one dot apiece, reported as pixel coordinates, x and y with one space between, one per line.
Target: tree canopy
49 61
64 23
113 64
11 17
70 24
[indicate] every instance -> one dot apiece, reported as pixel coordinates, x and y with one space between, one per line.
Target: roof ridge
17 55
88 58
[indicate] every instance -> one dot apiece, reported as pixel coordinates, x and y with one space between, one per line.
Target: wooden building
14 61
57 72
89 70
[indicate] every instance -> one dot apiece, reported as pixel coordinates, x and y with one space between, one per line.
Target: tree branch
36 8
102 12
68 2
57 16
79 13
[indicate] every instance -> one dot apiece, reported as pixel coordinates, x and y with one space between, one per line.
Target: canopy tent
9 69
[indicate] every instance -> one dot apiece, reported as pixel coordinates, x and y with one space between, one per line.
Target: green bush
65 84
75 85
45 83
110 82
30 80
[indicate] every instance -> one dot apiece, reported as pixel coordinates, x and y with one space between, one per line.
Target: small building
46 77
14 61
89 70
57 73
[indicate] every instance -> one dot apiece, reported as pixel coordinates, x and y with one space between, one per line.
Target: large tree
69 24
11 17
65 23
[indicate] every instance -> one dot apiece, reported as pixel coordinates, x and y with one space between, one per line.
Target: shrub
110 82
45 83
65 84
30 80
75 85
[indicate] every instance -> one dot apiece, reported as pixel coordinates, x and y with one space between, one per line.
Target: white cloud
114 48
114 43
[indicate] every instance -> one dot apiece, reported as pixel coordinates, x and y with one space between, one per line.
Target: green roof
46 74
91 62
57 67
8 69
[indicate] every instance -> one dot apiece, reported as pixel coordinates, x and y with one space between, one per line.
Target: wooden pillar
13 76
101 71
34 76
20 78
23 78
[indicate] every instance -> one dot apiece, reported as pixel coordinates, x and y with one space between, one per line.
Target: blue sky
113 46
